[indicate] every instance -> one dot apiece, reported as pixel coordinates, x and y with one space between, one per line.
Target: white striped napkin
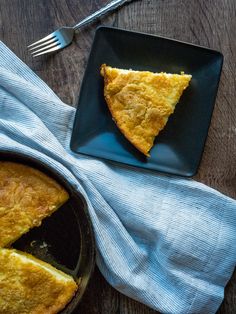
165 241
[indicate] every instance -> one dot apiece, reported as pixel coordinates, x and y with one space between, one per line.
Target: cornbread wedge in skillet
30 286
27 196
141 102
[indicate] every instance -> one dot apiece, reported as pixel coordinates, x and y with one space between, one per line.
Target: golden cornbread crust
141 102
27 196
27 285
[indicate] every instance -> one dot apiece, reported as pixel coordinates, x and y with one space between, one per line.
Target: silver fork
63 36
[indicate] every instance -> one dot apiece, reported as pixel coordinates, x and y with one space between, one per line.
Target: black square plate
178 148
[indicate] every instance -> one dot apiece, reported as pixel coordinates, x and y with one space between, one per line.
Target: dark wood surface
210 23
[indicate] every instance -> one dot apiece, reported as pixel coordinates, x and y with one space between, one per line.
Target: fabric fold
166 241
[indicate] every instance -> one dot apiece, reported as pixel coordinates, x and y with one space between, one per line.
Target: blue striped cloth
165 241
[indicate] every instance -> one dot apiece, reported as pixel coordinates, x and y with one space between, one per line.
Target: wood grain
210 23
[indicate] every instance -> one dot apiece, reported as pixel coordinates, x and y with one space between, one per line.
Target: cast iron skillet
65 240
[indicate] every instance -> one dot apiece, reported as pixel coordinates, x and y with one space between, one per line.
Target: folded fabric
168 242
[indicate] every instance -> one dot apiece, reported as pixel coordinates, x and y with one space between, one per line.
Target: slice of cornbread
28 285
27 196
141 102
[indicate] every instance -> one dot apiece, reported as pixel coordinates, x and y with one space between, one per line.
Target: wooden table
210 23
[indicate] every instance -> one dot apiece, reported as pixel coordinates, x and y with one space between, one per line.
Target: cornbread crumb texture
141 101
27 196
30 286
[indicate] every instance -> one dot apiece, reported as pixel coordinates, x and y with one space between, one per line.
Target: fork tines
47 44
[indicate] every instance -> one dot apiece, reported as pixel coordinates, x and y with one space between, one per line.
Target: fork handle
108 8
